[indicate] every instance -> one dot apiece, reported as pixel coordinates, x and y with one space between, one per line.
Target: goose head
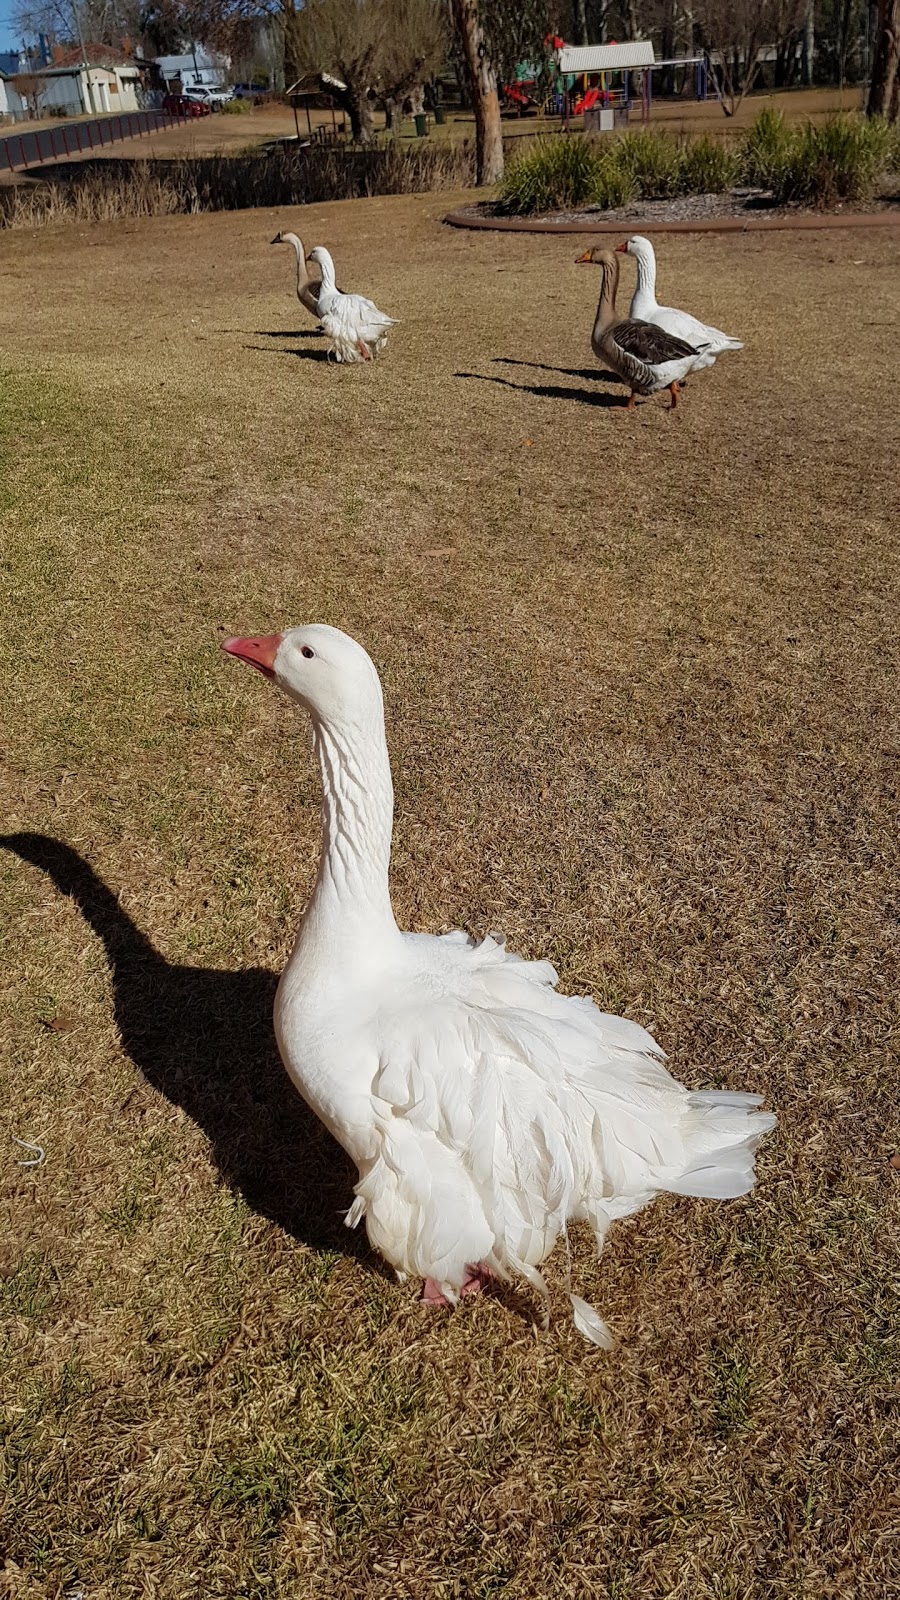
327 671
326 265
637 246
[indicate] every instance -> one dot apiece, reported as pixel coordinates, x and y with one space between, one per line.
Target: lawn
641 685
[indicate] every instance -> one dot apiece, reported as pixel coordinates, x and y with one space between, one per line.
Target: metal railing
21 151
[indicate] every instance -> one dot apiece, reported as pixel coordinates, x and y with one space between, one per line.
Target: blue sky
7 31
7 37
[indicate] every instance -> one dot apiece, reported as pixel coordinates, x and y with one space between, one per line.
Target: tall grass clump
819 165
652 161
708 166
841 159
766 149
552 174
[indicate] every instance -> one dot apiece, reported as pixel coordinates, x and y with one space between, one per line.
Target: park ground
641 686
234 133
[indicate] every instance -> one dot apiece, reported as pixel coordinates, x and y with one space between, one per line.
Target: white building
195 66
99 89
72 91
5 108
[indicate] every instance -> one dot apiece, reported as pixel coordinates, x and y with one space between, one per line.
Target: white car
213 97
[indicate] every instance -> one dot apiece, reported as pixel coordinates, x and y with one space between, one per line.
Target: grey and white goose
646 357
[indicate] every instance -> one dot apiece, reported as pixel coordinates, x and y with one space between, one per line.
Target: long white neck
351 904
326 266
644 298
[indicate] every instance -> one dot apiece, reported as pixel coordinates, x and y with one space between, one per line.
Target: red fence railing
19 151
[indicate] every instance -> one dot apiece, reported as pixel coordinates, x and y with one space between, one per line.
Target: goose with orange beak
645 357
483 1109
680 324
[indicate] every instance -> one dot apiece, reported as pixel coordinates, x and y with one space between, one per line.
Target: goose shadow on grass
590 373
278 333
299 355
205 1040
551 391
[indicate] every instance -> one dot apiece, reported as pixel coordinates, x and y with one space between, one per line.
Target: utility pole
86 90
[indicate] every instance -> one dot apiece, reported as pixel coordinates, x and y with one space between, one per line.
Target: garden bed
750 208
844 162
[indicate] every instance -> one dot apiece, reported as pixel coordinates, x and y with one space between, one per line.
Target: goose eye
305 651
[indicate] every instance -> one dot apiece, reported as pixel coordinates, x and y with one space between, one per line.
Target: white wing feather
350 319
504 1110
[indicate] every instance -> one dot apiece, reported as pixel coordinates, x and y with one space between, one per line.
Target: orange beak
259 652
585 257
622 249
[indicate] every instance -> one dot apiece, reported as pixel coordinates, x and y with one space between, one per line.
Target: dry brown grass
641 678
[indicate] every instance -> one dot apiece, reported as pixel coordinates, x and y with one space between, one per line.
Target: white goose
354 325
483 1109
679 323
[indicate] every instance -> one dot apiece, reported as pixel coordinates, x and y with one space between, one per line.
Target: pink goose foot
473 1283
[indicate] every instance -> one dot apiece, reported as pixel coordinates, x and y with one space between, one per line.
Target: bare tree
343 39
414 47
884 87
734 32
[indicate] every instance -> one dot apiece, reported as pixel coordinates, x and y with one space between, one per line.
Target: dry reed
101 191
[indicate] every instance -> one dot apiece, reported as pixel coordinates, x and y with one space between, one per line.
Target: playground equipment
601 82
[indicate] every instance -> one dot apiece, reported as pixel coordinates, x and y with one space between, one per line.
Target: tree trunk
579 21
417 99
362 122
390 107
292 67
809 43
483 86
885 83
667 84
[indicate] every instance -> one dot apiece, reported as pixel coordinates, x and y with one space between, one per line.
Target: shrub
652 161
765 149
553 174
708 166
841 159
615 185
237 107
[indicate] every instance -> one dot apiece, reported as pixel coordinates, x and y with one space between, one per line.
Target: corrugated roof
605 57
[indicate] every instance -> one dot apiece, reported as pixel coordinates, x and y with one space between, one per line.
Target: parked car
250 91
215 98
182 106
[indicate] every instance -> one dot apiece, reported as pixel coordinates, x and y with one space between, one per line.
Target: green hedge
839 159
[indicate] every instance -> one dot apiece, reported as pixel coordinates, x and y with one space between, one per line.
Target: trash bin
421 125
439 116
